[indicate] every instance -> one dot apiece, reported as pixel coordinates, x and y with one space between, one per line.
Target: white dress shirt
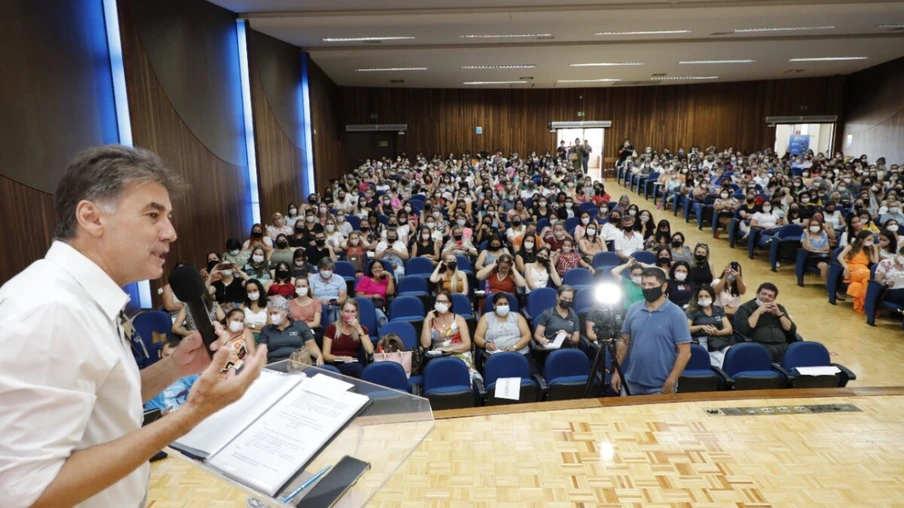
628 246
68 380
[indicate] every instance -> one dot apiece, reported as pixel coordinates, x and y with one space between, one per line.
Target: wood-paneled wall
723 114
874 113
275 73
214 208
329 158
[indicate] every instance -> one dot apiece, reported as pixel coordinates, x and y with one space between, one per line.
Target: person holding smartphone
448 276
764 321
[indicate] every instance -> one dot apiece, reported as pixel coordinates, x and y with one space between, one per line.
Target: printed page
508 388
217 430
558 341
275 447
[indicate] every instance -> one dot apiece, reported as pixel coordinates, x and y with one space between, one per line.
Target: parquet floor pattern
670 454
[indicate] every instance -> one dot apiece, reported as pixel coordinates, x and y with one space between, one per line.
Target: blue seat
699 375
461 305
384 220
388 374
584 300
506 365
735 221
875 301
542 224
331 368
566 374
345 270
419 266
406 308
464 264
647 184
571 223
813 354
801 268
367 316
588 207
488 303
835 280
404 330
578 278
784 244
447 384
412 285
704 211
539 300
148 322
645 257
605 261
748 366
354 221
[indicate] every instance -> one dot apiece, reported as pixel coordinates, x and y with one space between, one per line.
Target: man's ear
90 218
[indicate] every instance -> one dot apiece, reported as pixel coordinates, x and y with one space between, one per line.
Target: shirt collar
108 295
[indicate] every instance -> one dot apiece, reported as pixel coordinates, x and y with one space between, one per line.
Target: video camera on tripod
607 322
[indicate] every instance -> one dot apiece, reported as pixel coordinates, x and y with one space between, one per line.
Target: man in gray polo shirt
656 340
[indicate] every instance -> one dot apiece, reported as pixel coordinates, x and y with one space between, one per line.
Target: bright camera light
608 293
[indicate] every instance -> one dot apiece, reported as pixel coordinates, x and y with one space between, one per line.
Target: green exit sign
383 144
580 114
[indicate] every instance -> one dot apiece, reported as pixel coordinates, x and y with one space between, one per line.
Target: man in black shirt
319 250
766 322
562 151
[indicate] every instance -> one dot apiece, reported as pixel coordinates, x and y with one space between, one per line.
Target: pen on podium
306 484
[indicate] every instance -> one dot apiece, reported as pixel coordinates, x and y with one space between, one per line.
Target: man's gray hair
278 302
100 175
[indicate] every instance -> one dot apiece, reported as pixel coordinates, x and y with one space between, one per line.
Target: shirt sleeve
264 336
681 332
626 324
48 384
882 269
306 332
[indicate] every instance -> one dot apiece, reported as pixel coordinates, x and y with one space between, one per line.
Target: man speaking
71 393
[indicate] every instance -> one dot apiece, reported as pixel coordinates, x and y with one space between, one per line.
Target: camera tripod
607 330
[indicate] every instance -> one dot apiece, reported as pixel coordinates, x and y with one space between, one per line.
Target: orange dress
858 266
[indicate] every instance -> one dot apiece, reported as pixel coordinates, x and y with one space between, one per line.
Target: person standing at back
655 341
70 389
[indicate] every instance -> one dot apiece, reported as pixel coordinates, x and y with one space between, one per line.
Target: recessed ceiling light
646 32
606 64
783 29
829 59
392 69
509 66
694 62
518 82
890 26
600 80
684 78
502 36
364 39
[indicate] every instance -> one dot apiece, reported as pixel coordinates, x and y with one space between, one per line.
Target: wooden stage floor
609 453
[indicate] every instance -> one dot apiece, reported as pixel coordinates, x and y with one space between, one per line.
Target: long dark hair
857 244
262 299
663 235
693 305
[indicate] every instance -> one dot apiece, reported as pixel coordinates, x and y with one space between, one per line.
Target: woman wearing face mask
710 327
729 288
541 209
495 248
681 289
304 307
888 244
240 341
680 251
645 225
815 241
856 259
569 258
281 283
284 336
664 258
612 228
539 273
283 252
255 306
701 268
526 253
257 239
299 265
503 330
333 236
293 216
663 236
407 221
590 243
724 208
184 324
234 253
891 273
425 246
447 275
279 226
501 276
448 332
258 266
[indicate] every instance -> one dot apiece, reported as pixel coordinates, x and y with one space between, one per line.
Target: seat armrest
781 370
480 392
846 372
729 384
541 382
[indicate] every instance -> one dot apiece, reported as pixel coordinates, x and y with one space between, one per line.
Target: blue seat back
699 358
542 224
505 365
412 284
367 315
405 307
578 277
464 263
584 300
540 299
790 231
388 374
344 269
806 354
354 221
152 321
446 372
571 223
488 303
418 266
644 257
461 305
566 363
404 330
587 207
745 357
602 259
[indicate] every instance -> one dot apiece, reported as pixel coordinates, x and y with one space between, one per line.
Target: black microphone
188 286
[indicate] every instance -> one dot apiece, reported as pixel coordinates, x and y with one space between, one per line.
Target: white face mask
310 218
767 209
636 279
724 195
680 276
301 291
759 303
254 296
236 326
226 273
276 319
431 225
442 308
893 228
234 252
632 212
814 229
528 245
704 303
591 232
585 220
502 310
258 258
330 227
326 274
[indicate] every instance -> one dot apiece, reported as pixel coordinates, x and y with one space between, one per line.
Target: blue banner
799 144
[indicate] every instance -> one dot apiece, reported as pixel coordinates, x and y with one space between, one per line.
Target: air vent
636 83
396 81
371 42
658 75
525 78
545 38
898 29
794 71
376 128
716 34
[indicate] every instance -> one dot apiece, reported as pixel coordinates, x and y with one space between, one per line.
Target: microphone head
187 283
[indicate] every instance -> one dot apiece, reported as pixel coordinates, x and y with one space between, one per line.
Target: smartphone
335 484
224 266
735 266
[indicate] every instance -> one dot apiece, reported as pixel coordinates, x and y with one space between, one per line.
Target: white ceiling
438 25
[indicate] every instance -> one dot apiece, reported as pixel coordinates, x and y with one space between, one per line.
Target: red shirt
344 345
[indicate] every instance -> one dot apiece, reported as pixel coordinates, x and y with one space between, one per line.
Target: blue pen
306 484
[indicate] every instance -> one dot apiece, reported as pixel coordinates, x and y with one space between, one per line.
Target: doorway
800 137
595 137
360 146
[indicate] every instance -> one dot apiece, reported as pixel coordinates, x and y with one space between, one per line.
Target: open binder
265 439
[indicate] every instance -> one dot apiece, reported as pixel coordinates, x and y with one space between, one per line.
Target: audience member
559 319
447 332
346 342
330 289
763 321
304 307
503 330
283 336
709 325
